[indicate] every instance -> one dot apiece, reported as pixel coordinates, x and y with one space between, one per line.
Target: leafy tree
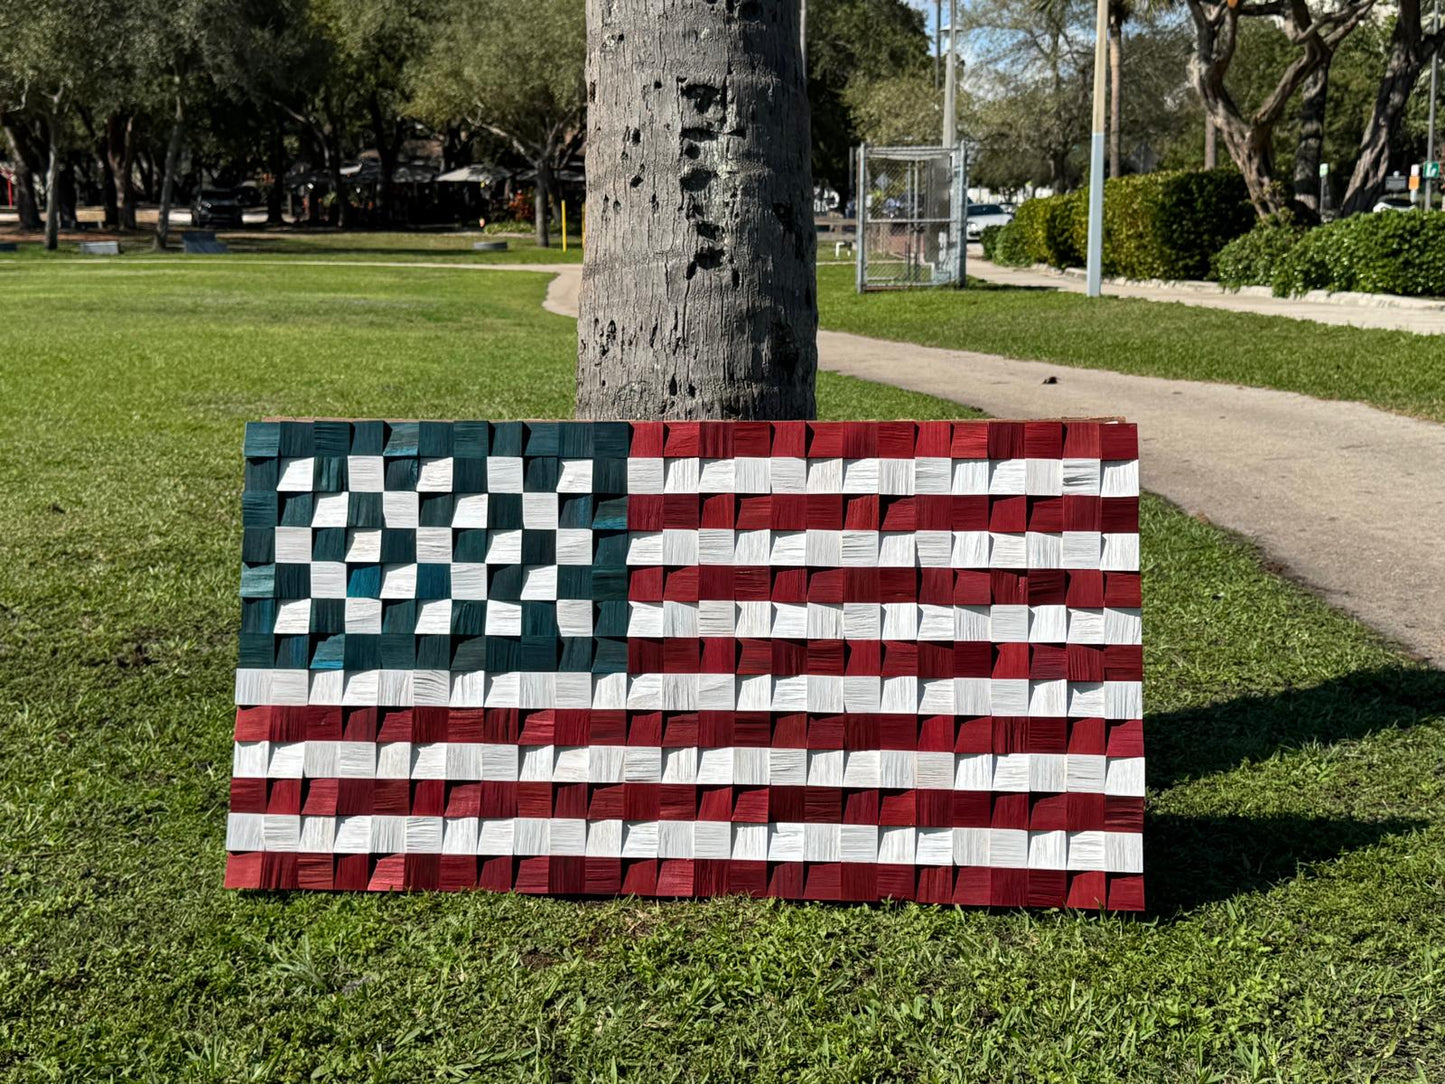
185 53
1410 50
852 44
515 71
52 56
1314 36
24 139
351 71
900 109
1032 70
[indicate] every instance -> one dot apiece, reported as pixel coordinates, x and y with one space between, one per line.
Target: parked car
982 215
1394 203
215 207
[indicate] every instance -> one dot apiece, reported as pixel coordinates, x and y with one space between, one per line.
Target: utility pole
937 38
1095 260
1430 140
950 80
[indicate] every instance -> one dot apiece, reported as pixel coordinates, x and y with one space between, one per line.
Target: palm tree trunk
698 287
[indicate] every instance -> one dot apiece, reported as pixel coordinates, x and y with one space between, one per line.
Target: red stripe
885 658
964 885
917 807
891 440
706 729
872 512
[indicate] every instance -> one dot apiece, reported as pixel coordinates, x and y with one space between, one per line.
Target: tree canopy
101 90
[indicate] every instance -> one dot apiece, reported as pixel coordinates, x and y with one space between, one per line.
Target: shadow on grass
1191 861
1005 287
1202 741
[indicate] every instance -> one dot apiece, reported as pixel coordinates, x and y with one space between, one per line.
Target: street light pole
950 79
1095 261
937 39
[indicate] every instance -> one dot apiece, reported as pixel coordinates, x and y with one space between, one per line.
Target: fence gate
912 205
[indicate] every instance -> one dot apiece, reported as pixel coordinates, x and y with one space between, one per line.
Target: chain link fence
911 209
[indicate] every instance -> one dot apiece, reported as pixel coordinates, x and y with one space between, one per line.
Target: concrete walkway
1350 499
1421 315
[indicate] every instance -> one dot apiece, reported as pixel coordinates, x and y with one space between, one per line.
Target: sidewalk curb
1342 297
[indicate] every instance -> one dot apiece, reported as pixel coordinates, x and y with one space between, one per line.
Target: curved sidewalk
1349 498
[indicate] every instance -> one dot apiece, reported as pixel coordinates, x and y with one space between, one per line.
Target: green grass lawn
1296 834
1394 370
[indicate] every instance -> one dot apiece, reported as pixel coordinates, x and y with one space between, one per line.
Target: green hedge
1048 230
1156 225
988 238
1253 258
1004 245
1170 225
1387 253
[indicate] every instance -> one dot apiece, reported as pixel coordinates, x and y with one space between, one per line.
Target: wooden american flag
833 661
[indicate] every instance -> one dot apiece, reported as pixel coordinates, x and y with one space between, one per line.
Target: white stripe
694 692
747 765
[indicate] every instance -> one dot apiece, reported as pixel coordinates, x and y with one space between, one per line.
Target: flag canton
435 547
822 660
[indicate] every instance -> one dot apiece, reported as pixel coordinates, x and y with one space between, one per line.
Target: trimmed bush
1170 225
1386 253
1010 247
1047 226
1254 258
988 237
1156 225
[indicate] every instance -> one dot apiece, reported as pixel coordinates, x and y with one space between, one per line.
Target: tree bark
120 154
1249 138
173 153
1409 51
52 177
698 286
69 196
26 160
1116 61
1210 154
276 195
334 150
147 164
52 196
100 147
540 195
1309 150
388 150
